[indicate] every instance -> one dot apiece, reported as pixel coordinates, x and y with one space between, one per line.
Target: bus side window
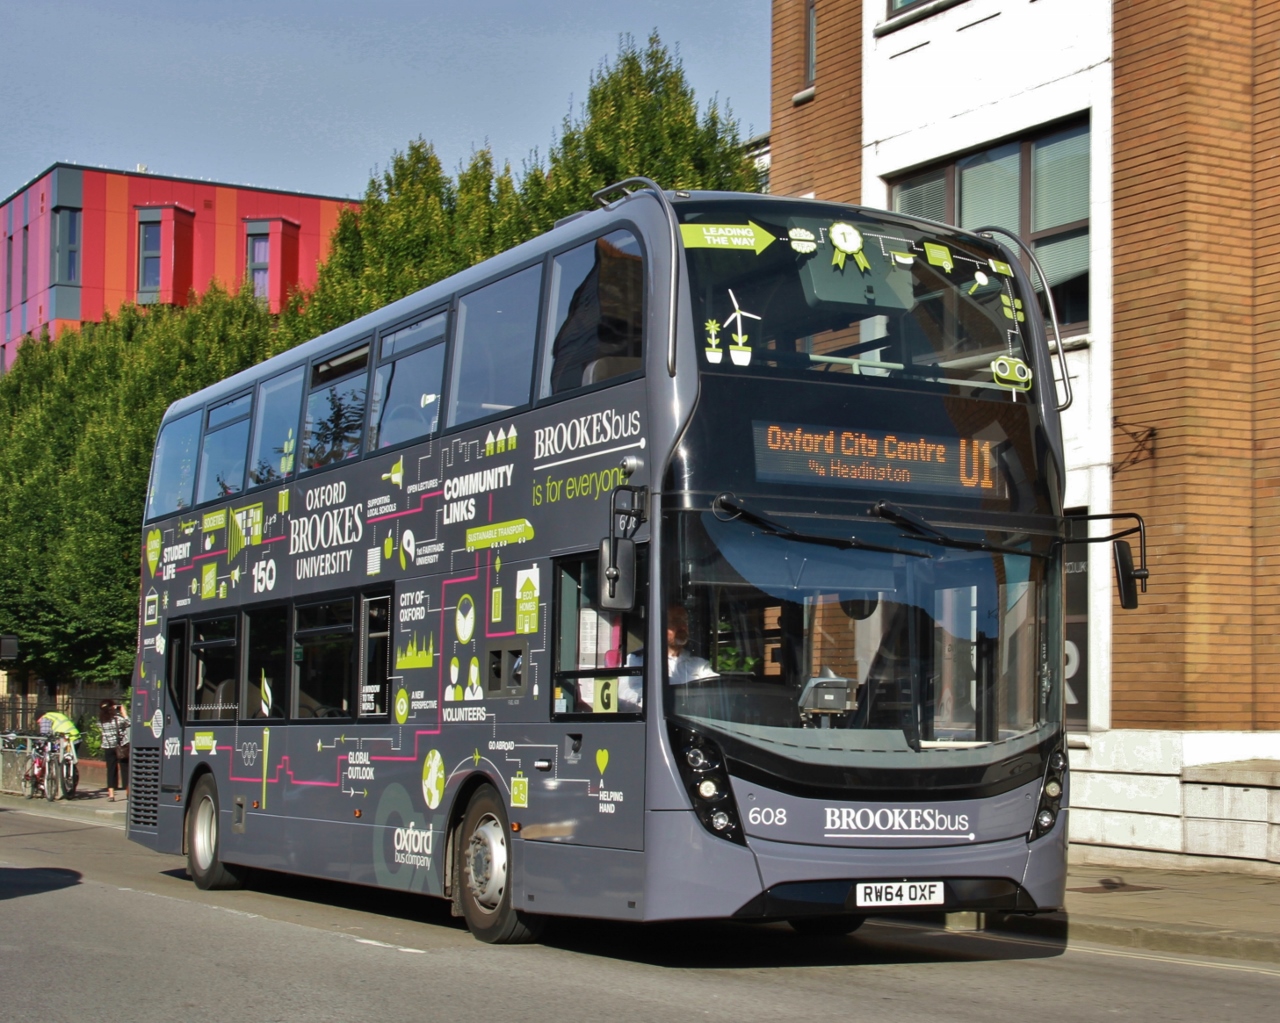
176 667
323 656
275 429
599 665
173 472
213 684
335 409
405 404
267 669
595 325
375 666
222 454
493 355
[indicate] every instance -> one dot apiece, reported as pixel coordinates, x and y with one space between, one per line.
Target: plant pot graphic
740 354
714 355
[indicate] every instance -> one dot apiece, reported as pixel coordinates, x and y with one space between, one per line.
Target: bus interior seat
609 367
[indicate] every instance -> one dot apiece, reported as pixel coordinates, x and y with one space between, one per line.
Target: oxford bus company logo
413 846
913 822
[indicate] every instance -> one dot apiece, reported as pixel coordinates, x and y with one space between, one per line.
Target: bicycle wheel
52 781
70 779
29 782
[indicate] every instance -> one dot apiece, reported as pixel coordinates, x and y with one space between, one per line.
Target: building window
8 276
149 261
811 41
1037 187
1076 605
901 5
259 263
26 245
66 257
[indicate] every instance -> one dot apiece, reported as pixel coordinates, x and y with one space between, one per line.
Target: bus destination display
801 453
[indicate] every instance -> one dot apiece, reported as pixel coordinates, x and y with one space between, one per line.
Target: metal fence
20 713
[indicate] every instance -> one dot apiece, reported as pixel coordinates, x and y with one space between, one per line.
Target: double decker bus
699 558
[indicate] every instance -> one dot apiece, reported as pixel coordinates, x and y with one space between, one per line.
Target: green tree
78 418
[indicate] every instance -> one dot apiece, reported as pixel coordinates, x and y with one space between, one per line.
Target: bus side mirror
8 648
617 573
1126 578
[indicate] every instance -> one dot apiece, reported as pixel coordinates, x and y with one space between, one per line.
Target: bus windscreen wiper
730 504
932 534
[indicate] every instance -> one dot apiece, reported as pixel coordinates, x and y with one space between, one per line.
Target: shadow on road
704 945
16 882
741 946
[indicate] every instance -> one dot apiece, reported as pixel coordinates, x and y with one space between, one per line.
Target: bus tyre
485 874
203 863
826 926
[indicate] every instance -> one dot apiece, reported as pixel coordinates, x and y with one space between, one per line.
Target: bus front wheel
485 874
204 862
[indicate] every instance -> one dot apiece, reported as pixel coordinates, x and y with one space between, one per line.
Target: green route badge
847 241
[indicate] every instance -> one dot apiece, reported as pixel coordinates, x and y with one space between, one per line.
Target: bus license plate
900 893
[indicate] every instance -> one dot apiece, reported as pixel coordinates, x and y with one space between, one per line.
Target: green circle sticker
402 706
433 779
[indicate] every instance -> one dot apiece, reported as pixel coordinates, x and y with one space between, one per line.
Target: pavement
1227 916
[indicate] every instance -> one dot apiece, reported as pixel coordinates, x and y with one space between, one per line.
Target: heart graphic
154 541
602 759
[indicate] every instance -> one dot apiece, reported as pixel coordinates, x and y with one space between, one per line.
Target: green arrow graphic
726 236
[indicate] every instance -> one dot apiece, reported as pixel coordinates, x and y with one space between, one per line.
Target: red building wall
204 229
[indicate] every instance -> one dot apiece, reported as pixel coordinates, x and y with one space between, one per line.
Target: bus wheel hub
487 864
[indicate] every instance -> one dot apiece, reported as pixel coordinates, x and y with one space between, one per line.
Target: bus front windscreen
795 289
826 656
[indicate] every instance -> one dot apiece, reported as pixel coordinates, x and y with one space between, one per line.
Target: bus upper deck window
173 472
275 429
595 324
335 409
496 335
405 404
222 455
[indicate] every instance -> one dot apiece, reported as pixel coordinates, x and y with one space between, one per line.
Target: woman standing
115 746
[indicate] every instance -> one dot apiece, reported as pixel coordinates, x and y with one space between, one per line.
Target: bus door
588 782
173 693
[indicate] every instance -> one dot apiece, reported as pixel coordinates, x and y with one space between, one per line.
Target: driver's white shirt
685 667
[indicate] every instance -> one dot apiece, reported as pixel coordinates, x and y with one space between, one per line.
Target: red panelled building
76 242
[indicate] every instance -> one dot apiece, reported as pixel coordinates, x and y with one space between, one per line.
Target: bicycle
67 766
37 778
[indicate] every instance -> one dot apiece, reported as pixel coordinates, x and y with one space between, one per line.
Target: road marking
383 944
1178 960
70 820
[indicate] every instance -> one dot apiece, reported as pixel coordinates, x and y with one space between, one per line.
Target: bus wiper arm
730 504
929 533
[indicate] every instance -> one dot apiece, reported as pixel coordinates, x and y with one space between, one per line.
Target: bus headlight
1051 791
702 770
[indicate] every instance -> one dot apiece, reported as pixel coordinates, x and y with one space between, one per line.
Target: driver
683 666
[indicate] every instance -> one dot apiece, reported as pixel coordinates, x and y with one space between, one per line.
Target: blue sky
314 95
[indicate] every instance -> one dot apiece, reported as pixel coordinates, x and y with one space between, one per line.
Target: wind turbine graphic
739 351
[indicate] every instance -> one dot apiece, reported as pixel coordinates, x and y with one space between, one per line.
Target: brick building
76 242
1136 144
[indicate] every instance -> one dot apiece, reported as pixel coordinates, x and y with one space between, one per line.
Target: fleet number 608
766 815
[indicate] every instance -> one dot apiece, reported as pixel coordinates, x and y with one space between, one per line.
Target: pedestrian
115 746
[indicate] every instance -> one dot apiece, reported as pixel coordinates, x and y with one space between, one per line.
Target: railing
20 713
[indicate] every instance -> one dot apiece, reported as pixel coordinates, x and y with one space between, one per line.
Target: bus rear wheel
484 875
204 862
826 926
